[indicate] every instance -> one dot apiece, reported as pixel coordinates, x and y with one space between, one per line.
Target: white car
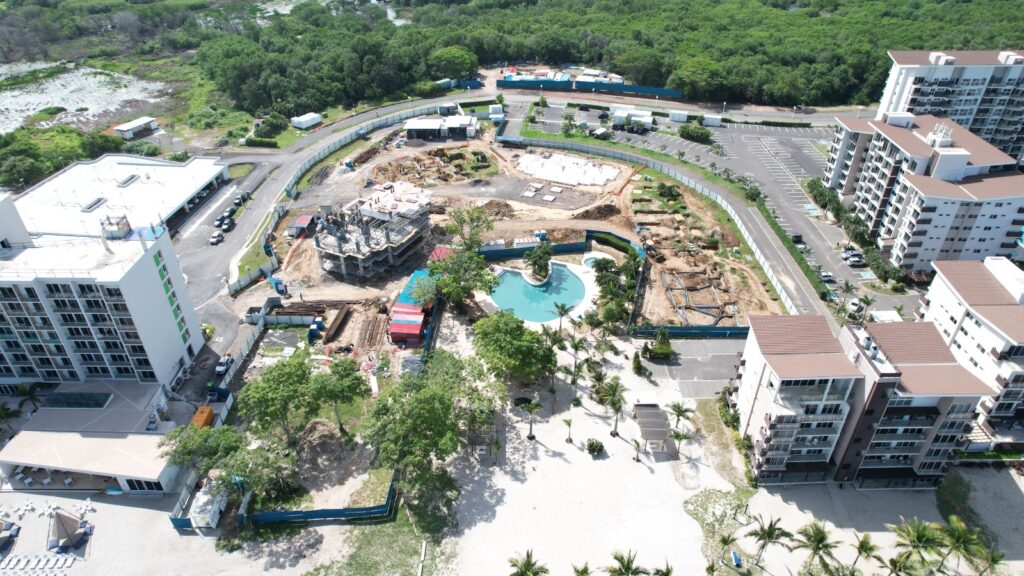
855 306
827 277
216 238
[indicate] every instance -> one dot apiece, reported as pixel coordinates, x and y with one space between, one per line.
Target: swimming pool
537 303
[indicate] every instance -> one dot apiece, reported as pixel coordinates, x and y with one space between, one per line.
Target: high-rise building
980 90
927 189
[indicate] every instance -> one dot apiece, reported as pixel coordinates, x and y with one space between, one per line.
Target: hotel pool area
537 303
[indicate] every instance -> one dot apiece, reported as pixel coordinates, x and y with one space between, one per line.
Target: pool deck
590 293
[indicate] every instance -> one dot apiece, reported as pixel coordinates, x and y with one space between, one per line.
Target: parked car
827 277
218 221
801 246
855 306
224 364
238 200
797 238
230 211
228 225
856 263
847 256
849 248
216 238
602 116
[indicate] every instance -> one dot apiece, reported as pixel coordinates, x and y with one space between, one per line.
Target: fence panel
618 88
509 253
564 85
698 332
379 511
671 171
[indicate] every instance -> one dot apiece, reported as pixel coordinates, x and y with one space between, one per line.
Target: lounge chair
68 481
47 481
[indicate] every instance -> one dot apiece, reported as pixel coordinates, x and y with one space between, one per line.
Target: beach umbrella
65 530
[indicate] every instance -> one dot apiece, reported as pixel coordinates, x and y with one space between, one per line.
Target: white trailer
712 120
207 505
307 120
678 115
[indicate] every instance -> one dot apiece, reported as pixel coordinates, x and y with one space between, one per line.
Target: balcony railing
808 458
902 463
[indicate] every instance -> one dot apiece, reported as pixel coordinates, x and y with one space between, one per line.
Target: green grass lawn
252 259
236 171
822 147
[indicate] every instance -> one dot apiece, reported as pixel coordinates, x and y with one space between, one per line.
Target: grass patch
31 76
388 548
374 490
883 289
253 259
719 438
297 498
333 158
821 147
48 113
1006 455
236 171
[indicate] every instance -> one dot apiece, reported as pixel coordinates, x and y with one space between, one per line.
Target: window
811 409
831 409
144 485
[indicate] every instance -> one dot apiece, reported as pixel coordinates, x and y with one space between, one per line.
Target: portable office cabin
136 128
307 120
712 120
678 115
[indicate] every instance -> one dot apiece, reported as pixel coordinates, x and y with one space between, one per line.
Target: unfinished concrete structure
376 234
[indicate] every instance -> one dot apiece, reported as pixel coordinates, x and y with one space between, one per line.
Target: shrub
695 133
594 447
271 126
180 156
662 349
638 367
254 142
142 148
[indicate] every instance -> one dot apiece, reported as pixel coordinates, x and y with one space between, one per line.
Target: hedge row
612 241
781 123
255 142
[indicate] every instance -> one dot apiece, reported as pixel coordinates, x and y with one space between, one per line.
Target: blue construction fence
577 86
378 512
695 332
509 253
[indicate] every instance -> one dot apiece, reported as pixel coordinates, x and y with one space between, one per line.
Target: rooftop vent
127 181
96 203
1010 58
941 59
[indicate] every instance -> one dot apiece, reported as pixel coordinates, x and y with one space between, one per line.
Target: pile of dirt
599 212
499 210
320 453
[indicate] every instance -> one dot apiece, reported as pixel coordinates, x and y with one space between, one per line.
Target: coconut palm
680 412
846 289
986 559
865 548
768 533
598 379
679 436
581 570
957 538
636 444
901 564
666 571
527 566
917 537
868 302
726 540
625 565
616 403
817 541
562 310
568 427
532 408
7 414
551 338
612 388
899 309
28 395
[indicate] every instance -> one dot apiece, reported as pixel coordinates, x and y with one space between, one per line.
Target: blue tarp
406 296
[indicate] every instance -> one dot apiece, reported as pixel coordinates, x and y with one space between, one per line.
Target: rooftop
125 455
980 188
988 294
794 335
140 121
940 380
910 343
127 409
812 366
855 124
912 140
146 190
963 57
76 257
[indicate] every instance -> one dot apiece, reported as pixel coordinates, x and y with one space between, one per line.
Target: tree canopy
511 350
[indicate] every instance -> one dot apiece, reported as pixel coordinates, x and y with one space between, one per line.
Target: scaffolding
374 235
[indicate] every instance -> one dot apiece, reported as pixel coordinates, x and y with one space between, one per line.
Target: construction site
440 165
376 235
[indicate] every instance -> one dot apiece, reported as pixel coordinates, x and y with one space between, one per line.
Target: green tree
467 226
424 291
679 436
7 414
865 548
454 62
562 310
987 559
957 538
868 302
500 99
566 128
680 412
645 66
280 391
539 259
201 448
29 394
568 429
342 384
542 102
767 533
461 274
664 571
625 565
917 537
510 350
20 171
527 566
532 408
267 470
901 564
581 570
819 544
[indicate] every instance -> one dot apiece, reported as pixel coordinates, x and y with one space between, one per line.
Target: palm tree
987 559
636 444
527 566
597 379
846 289
7 414
625 565
605 391
576 344
816 540
666 571
867 301
680 412
28 394
865 548
679 436
575 323
916 537
562 310
957 538
616 403
899 565
581 570
768 533
551 338
726 540
899 309
568 426
532 408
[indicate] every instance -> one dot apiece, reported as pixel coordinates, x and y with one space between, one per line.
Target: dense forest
813 52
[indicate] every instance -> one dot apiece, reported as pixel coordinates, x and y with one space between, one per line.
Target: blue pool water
537 303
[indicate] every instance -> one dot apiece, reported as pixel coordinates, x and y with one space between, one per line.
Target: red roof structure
440 253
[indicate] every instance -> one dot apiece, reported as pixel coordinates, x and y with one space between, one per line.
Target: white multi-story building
980 90
978 307
928 189
72 308
794 383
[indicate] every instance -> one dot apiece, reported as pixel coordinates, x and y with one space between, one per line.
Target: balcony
891 463
887 450
762 465
807 458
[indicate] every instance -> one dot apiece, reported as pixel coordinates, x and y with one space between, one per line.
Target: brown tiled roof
910 343
941 380
903 138
794 335
812 366
912 140
1009 319
974 283
989 187
963 57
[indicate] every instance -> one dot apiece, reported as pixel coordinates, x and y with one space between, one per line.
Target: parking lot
701 367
